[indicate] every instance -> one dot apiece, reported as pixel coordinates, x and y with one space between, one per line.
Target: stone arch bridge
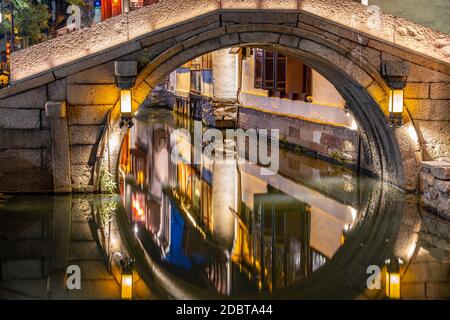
65 146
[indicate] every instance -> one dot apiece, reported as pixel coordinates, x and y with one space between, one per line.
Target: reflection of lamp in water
197 185
127 278
354 213
393 278
345 233
138 207
140 178
125 72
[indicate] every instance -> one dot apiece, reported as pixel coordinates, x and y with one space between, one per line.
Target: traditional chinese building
270 90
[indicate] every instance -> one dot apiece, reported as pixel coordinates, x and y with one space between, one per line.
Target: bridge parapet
344 18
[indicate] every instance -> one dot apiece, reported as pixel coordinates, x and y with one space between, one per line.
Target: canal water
214 229
311 229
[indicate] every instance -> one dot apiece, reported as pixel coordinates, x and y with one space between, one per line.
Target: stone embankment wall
25 142
332 142
435 186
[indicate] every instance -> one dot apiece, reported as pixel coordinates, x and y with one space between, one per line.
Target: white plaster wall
225 74
327 103
315 112
326 213
223 198
248 77
207 88
183 82
323 92
329 241
172 85
251 185
338 211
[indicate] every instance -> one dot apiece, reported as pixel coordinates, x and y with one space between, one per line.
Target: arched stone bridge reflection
313 230
67 148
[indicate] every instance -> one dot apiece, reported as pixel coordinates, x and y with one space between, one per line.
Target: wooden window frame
259 73
207 61
275 80
196 75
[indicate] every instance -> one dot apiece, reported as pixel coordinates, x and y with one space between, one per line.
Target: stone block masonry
435 186
332 142
25 143
33 157
56 111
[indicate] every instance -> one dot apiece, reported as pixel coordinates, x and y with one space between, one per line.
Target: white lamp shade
125 101
396 101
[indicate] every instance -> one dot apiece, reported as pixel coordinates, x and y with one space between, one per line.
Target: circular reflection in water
210 229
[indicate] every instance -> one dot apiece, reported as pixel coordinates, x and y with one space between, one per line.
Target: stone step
20 228
85 250
24 289
439 169
23 269
25 249
93 270
81 231
96 290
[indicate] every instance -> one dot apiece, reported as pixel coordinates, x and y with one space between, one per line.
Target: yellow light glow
412 245
191 218
413 134
127 286
125 101
354 125
354 213
396 101
197 190
138 207
140 178
345 232
393 285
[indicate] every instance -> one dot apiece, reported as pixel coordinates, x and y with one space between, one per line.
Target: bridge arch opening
359 83
303 289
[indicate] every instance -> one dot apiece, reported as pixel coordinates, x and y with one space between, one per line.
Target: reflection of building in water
223 221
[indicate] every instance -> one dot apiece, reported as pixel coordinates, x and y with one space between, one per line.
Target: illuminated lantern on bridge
396 74
127 279
393 278
125 102
126 107
396 106
126 72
